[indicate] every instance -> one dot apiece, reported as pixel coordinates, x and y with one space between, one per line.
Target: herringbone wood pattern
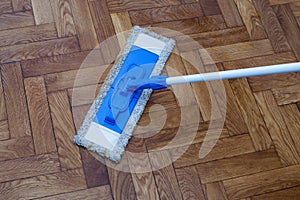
43 43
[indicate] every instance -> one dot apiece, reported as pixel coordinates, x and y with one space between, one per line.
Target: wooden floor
43 43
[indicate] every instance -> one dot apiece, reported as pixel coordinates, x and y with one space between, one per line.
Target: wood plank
238 166
287 95
16 148
251 19
236 51
295 7
277 2
63 18
170 13
102 193
79 113
189 183
17 111
272 26
215 191
38 49
83 95
21 5
121 22
251 114
16 20
64 130
291 193
28 167
263 182
230 13
44 185
42 11
3 114
101 19
4 132
84 24
28 34
225 148
165 177
210 7
95 171
126 5
280 135
289 26
5 6
42 130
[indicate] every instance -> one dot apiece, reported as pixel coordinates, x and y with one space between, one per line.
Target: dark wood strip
215 191
28 167
4 132
42 130
230 12
21 5
3 114
38 49
210 7
291 193
287 95
16 20
17 111
170 13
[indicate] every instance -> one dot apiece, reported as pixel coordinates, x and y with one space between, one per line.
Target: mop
112 117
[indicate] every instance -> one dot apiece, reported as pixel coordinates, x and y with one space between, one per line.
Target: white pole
239 73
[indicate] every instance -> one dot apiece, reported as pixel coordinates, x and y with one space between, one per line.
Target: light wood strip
44 185
28 167
83 95
42 11
16 20
225 148
63 18
5 6
272 26
20 5
189 183
238 166
279 133
236 51
28 34
102 193
38 49
287 95
216 191
289 26
166 180
3 114
64 130
263 182
251 19
277 2
4 132
42 130
16 148
84 24
121 22
17 111
291 193
251 114
230 13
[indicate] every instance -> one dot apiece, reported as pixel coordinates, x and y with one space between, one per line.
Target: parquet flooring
44 42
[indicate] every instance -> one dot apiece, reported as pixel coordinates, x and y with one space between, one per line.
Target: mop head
114 114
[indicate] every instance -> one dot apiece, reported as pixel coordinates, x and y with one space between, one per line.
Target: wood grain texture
42 11
4 132
272 26
262 182
295 7
29 167
210 7
28 34
3 114
277 2
215 191
238 166
20 5
5 6
251 114
63 18
64 130
121 22
251 19
38 49
278 130
17 111
16 20
236 51
42 130
291 193
230 13
189 183
83 95
16 148
102 193
44 185
84 24
79 113
287 95
170 13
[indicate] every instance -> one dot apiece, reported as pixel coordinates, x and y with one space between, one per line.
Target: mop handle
238 73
